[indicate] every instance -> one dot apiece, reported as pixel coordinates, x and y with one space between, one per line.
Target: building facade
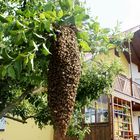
117 116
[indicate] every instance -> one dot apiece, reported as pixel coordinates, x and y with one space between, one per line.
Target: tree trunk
58 136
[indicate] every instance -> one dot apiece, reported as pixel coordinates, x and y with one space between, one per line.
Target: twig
39 90
16 119
17 101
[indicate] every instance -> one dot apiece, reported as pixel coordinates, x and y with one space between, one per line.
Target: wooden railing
136 90
123 84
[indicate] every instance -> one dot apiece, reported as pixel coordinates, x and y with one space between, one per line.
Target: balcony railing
123 84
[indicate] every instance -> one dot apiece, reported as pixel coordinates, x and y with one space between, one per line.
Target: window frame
3 122
95 104
139 123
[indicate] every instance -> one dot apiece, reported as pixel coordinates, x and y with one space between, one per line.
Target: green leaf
47 25
3 71
66 5
45 51
26 60
85 46
51 15
5 55
20 25
24 37
10 18
60 14
31 57
28 13
39 36
105 30
32 45
42 16
70 4
96 27
19 38
48 6
3 20
78 9
110 46
11 72
68 20
83 35
18 66
22 55
32 64
1 57
106 38
79 19
35 46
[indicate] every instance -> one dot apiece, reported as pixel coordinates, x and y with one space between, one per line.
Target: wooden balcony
123 85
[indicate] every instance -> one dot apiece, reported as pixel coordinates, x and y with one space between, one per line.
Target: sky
127 12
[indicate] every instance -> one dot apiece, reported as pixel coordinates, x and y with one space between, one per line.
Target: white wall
136 78
135 73
135 122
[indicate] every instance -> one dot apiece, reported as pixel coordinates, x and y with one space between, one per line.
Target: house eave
135 49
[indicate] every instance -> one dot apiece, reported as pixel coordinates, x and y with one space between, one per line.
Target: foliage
76 128
27 31
97 79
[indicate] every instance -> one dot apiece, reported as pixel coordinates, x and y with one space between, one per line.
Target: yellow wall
17 131
110 57
125 65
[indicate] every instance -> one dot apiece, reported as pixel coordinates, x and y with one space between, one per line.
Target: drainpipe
95 119
130 68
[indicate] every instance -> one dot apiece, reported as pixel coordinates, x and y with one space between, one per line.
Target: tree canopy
27 31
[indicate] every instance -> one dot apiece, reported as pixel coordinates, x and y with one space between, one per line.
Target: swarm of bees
63 77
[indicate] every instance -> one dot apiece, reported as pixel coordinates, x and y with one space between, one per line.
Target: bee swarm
63 78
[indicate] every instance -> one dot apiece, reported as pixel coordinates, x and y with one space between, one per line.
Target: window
102 109
139 123
137 80
2 124
98 112
90 115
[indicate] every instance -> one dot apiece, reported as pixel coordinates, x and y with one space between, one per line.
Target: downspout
131 81
95 119
130 68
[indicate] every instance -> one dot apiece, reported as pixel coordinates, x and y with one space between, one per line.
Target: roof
133 29
134 46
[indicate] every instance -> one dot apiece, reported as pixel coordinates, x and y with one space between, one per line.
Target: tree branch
15 119
23 5
17 101
39 90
